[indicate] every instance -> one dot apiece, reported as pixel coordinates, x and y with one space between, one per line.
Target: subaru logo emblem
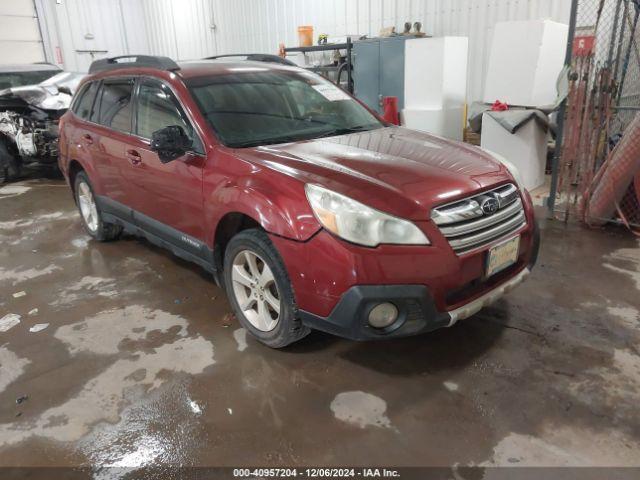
489 206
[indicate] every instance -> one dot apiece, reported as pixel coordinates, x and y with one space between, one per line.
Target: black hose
341 68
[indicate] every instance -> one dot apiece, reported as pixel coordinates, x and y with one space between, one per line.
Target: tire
9 165
276 289
92 221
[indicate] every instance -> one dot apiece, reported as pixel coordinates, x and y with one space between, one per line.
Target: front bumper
417 313
337 284
417 310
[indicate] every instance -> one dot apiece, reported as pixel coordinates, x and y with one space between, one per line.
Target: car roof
196 68
30 67
225 66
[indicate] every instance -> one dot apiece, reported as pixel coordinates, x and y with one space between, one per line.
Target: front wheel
90 212
260 291
9 165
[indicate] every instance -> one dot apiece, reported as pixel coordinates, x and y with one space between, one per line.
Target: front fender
281 209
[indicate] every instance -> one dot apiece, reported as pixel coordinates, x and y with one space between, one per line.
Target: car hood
393 169
47 94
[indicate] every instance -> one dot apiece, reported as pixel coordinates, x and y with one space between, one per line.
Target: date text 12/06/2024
316 473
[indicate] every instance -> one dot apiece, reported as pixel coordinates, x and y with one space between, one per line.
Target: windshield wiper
264 114
346 130
302 136
266 141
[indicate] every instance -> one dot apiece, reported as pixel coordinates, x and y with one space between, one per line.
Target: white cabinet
526 148
435 85
525 61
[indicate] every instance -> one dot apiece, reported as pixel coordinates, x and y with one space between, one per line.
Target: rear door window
115 105
84 106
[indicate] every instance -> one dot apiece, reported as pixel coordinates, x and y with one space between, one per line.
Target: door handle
134 157
88 139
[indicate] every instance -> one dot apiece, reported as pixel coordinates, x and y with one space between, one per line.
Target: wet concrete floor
135 361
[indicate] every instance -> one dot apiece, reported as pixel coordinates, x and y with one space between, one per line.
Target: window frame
107 81
80 96
133 133
175 99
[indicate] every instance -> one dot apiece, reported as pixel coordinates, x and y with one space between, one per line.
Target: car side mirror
64 89
170 143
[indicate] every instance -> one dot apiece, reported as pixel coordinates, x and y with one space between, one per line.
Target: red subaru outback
309 209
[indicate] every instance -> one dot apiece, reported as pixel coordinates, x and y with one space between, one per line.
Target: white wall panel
136 37
191 29
259 25
20 40
77 31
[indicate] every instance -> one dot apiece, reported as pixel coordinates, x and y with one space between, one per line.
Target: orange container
305 36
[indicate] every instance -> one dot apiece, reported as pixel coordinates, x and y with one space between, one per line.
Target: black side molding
180 244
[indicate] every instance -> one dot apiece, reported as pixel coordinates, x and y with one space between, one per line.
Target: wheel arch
229 225
277 208
75 167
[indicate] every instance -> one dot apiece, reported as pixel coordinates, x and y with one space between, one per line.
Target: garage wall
191 29
206 27
20 40
77 31
183 30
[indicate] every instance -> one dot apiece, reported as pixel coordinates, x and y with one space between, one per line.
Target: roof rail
149 61
257 57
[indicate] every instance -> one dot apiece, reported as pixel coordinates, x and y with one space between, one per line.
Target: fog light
383 315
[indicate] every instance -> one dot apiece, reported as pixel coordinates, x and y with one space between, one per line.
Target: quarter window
115 105
84 107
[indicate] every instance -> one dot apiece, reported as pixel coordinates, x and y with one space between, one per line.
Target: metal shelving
348 46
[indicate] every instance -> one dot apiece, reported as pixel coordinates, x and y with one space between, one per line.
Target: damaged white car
32 99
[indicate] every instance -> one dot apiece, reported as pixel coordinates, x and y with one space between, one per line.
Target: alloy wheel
255 290
88 208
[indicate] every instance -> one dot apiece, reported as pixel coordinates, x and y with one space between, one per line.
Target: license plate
503 255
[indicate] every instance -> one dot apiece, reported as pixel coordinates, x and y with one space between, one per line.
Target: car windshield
20 79
259 106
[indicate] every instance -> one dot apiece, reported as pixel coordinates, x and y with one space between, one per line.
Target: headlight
513 170
358 223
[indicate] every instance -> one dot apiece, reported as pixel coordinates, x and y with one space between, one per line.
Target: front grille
477 221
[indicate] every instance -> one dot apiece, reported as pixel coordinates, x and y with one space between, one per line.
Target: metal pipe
613 34
625 65
551 200
620 40
349 81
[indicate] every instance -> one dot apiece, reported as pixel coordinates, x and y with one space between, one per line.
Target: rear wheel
90 212
260 291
